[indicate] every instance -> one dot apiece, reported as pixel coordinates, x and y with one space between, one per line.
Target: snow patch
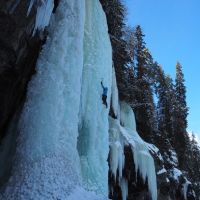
154 150
176 173
162 171
195 137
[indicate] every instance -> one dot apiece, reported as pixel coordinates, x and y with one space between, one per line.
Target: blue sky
172 29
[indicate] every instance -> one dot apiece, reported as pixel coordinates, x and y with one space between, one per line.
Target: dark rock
137 188
18 55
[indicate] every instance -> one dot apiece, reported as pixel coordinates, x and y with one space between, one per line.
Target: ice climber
104 95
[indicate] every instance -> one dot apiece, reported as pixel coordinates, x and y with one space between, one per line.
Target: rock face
18 55
172 183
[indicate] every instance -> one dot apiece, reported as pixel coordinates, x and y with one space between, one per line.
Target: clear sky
172 29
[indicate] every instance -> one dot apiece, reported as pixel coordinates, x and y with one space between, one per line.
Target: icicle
43 15
127 135
30 7
124 188
44 10
114 98
127 117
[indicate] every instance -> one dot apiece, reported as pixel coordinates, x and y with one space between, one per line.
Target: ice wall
93 127
47 163
63 140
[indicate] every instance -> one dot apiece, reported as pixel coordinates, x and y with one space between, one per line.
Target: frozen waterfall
65 92
93 125
64 129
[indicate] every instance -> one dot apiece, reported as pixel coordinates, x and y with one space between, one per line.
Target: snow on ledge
154 150
176 173
162 171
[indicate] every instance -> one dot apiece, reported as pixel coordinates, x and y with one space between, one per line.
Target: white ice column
93 139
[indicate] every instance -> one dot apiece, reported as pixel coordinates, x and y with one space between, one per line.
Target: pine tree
181 106
144 103
165 113
139 53
115 13
181 139
166 99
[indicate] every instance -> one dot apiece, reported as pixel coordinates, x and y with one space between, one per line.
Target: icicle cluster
123 132
44 10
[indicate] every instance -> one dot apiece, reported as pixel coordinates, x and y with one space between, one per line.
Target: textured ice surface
47 164
93 127
80 194
127 117
63 100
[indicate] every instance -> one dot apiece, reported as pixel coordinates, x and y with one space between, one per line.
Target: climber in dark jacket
104 95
